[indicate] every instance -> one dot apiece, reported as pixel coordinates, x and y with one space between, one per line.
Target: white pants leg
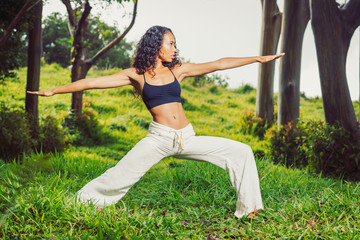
112 185
162 141
237 159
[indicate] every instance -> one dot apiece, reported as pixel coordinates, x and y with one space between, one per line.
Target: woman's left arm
191 69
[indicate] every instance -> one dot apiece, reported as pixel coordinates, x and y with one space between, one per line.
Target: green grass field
177 199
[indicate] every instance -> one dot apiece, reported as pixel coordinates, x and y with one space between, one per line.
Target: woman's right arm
119 79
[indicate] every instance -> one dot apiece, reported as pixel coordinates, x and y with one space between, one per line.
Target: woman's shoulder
132 74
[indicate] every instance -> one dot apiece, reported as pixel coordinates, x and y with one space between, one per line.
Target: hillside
175 199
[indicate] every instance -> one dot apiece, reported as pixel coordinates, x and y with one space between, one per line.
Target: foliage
52 136
11 51
203 80
246 88
98 36
215 90
333 151
176 199
16 139
287 145
319 147
14 133
85 129
250 124
57 42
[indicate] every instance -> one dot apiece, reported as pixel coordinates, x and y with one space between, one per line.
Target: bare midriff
170 114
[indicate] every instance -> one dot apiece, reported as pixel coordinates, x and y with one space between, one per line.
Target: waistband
177 135
160 127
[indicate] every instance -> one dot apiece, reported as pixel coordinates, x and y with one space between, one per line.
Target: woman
156 75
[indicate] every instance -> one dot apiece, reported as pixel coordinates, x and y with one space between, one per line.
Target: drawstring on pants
178 140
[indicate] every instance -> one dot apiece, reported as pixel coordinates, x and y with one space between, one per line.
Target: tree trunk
333 28
81 63
79 67
33 73
270 33
295 19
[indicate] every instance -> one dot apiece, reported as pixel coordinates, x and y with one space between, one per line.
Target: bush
319 147
333 151
203 80
250 124
15 135
287 145
244 89
215 90
85 129
52 136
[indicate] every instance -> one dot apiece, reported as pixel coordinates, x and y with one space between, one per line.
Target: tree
81 63
295 18
270 33
12 29
98 36
33 72
20 14
333 27
56 40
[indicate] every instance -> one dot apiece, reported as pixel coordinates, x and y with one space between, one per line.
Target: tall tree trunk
270 34
33 73
333 28
295 18
79 67
81 63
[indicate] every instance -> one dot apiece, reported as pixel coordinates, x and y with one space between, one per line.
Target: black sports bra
155 95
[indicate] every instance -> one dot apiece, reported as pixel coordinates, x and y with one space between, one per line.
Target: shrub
215 90
52 136
287 145
201 81
319 147
244 89
15 135
333 151
85 129
250 124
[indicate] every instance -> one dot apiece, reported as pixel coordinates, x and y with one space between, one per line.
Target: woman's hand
46 93
268 58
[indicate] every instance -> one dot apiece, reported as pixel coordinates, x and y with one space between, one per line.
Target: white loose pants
162 141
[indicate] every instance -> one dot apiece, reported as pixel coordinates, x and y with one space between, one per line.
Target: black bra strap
144 77
172 73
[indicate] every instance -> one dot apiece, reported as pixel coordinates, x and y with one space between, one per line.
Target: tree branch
114 42
351 15
80 26
16 19
72 18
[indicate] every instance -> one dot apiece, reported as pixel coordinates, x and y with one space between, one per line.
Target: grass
177 199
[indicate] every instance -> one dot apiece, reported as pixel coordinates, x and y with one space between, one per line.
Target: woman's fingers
269 58
41 93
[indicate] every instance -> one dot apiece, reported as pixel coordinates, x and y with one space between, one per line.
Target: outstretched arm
191 69
116 80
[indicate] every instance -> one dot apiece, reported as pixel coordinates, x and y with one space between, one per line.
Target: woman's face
168 50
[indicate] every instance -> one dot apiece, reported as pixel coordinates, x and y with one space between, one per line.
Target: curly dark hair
148 49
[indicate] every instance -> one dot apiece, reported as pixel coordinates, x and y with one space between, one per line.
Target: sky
207 30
